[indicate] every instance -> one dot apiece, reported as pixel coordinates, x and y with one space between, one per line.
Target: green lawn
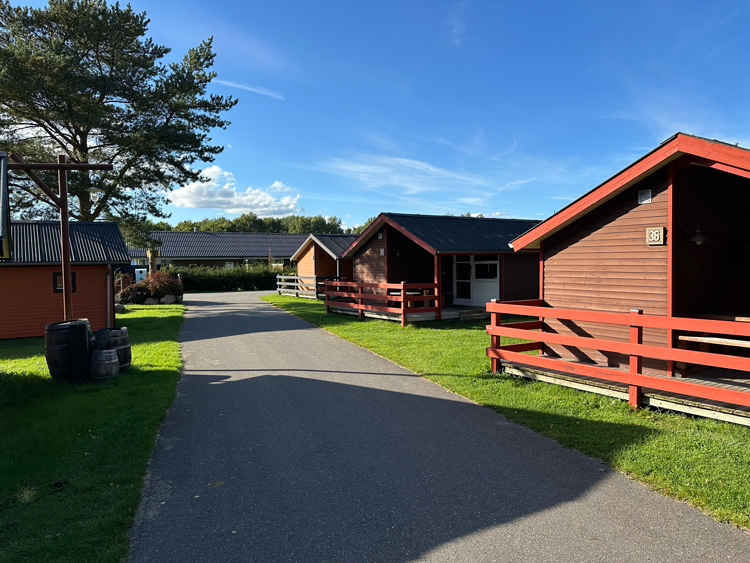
700 461
73 457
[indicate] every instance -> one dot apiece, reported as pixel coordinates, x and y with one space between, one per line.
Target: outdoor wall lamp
94 194
696 237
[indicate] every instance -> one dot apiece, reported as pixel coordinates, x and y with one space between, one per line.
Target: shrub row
205 278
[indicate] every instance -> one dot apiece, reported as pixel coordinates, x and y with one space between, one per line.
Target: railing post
315 286
325 293
360 301
278 284
403 304
636 361
494 340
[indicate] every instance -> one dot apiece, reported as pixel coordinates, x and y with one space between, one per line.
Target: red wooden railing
366 296
636 321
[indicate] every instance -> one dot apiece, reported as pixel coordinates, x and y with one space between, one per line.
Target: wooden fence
534 331
402 298
310 287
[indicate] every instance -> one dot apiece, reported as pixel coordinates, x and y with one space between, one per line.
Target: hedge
206 278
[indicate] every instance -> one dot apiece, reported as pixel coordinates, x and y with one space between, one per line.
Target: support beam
67 276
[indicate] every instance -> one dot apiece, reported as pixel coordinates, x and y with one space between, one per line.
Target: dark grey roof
334 244
38 242
191 244
448 234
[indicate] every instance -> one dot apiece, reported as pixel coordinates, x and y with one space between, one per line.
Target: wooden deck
715 377
449 312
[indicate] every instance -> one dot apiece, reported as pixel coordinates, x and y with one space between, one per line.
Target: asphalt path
287 443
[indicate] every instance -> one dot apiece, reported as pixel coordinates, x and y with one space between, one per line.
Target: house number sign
654 236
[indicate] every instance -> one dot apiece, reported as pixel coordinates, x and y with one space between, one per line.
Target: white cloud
256 89
457 23
279 187
219 192
474 146
406 175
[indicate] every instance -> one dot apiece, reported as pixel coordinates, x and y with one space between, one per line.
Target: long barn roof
38 242
446 234
200 244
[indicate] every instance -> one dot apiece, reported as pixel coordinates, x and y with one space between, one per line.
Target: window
463 271
57 280
463 290
485 271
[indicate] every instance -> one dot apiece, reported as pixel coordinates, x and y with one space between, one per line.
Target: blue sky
502 108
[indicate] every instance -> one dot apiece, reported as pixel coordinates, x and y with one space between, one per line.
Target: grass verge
700 461
72 457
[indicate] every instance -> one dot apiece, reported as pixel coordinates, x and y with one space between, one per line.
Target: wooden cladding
520 277
602 262
369 264
28 302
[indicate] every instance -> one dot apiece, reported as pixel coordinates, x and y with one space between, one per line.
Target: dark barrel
67 347
104 365
115 337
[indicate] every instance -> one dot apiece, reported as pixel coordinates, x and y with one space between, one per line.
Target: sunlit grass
701 461
72 457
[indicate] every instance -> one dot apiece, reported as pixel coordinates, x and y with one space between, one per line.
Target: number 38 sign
654 236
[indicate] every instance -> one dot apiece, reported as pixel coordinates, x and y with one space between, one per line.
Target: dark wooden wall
711 278
407 261
369 265
325 264
347 269
520 276
602 262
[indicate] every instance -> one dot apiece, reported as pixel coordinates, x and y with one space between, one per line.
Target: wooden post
502 277
325 291
403 304
360 300
670 259
438 286
494 340
636 361
67 276
315 286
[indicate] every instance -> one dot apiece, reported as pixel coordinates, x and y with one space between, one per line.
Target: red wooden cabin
645 282
460 263
31 283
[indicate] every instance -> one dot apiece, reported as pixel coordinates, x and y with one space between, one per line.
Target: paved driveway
287 443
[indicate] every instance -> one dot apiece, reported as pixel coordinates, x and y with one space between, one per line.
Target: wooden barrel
67 346
115 337
104 365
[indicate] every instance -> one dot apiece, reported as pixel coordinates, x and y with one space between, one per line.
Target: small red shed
645 280
31 283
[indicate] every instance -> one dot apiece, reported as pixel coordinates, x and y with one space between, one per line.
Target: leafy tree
316 224
248 223
359 229
80 78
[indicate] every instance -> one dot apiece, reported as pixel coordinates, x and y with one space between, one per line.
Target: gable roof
200 244
333 244
682 149
38 243
447 234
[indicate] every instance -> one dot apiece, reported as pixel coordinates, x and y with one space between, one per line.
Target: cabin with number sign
426 267
31 281
644 285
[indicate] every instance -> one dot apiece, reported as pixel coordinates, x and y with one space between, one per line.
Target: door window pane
463 271
463 290
485 271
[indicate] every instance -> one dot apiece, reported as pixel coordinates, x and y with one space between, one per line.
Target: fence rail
402 299
636 321
300 286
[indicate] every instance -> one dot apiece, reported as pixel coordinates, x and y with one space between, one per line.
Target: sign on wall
654 236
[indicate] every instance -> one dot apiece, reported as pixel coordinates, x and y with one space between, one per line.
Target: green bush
162 283
206 278
136 293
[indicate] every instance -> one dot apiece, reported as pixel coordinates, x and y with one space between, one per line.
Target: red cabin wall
602 262
520 277
407 261
369 265
347 269
28 302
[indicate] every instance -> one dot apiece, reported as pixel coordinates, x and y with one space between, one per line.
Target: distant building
199 248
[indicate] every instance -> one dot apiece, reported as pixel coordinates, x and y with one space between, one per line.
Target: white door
485 283
476 280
